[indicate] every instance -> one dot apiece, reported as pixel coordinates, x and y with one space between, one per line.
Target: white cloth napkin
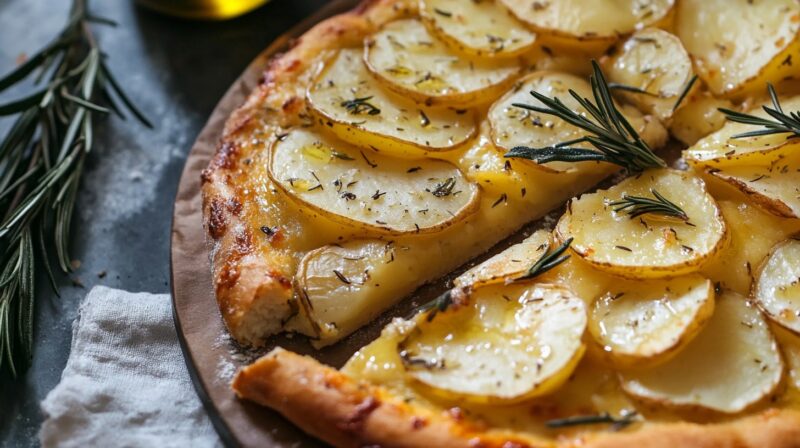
125 383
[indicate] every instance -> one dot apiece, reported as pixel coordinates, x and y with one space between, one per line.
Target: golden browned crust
339 410
252 274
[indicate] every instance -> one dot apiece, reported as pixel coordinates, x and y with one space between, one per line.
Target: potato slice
346 98
588 24
510 343
482 29
753 233
720 149
776 188
697 117
648 246
653 61
777 286
370 191
733 363
646 323
513 126
408 60
739 45
508 264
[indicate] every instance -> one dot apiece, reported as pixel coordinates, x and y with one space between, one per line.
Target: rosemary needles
784 123
41 162
609 133
636 206
547 261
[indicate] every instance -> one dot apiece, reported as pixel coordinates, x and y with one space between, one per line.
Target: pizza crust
346 413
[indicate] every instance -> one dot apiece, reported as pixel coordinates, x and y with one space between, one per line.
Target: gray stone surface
176 71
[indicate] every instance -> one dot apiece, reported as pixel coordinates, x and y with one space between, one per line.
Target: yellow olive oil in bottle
203 9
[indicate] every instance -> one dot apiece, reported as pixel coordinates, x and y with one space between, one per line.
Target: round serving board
211 355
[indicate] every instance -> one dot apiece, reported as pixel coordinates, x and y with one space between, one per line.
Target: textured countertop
176 71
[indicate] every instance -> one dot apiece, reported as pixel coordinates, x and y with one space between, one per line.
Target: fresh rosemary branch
547 261
636 206
41 162
625 419
784 123
610 134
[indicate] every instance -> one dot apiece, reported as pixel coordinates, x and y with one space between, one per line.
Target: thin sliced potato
753 233
508 264
411 62
720 149
510 343
775 188
777 286
647 323
697 117
733 363
739 45
588 24
648 246
653 61
513 126
370 191
481 29
347 99
333 280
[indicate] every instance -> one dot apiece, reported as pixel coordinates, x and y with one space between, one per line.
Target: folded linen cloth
125 383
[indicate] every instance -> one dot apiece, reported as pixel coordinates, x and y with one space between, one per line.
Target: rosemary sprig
435 306
41 162
631 89
636 206
610 134
784 123
358 106
618 423
547 261
685 92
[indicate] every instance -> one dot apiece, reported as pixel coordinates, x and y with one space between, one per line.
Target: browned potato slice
405 58
732 364
483 28
777 287
346 98
653 61
739 45
722 149
648 246
374 192
641 323
507 265
776 187
589 25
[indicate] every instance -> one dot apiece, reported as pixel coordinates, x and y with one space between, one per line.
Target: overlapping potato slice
790 347
588 24
722 149
509 343
514 126
654 62
483 28
408 60
370 191
646 323
777 286
776 188
733 363
647 246
739 45
346 98
697 117
507 265
753 233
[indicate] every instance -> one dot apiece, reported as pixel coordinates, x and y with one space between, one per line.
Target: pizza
392 144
